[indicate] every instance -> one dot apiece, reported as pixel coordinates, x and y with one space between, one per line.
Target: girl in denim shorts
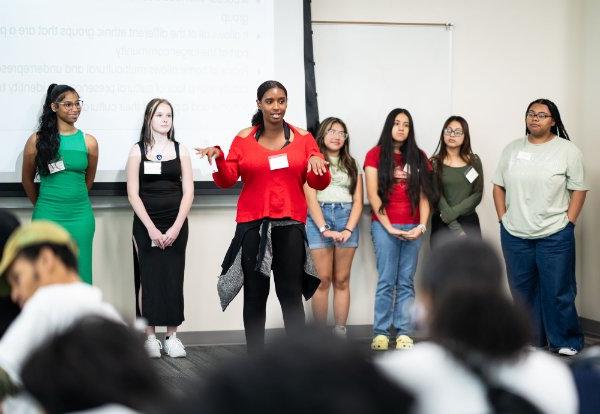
332 224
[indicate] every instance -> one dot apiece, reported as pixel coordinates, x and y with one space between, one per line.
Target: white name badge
277 162
206 167
57 166
472 175
525 156
152 167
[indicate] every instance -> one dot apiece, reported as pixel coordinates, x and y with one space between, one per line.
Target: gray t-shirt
537 179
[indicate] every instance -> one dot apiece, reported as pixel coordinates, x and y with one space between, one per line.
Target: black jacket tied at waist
231 279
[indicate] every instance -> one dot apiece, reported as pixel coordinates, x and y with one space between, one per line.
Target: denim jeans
336 215
396 265
541 273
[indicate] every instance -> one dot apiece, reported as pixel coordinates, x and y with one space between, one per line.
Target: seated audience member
95 364
8 309
300 375
586 371
478 359
40 265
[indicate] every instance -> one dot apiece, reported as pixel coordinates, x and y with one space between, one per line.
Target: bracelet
346 228
422 227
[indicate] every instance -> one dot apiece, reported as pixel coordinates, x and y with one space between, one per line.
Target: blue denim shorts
336 215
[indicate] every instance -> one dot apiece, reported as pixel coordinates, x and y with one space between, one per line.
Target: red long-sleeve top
265 192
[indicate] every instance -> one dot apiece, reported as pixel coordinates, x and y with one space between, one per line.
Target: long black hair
48 141
257 118
419 178
558 129
146 132
473 318
346 163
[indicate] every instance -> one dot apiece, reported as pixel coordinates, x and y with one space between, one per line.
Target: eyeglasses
540 115
340 134
453 132
69 105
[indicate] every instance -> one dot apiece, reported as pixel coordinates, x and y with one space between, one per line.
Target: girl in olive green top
458 176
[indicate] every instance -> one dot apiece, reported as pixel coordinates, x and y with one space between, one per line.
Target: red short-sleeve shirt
398 209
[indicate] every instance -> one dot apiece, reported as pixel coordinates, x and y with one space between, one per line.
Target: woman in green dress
65 159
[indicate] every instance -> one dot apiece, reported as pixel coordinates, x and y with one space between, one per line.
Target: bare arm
187 183
28 169
499 200
92 149
357 204
424 211
314 209
133 186
575 205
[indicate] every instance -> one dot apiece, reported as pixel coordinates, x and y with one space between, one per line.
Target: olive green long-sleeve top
458 196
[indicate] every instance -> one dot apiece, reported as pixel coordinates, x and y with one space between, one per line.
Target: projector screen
207 57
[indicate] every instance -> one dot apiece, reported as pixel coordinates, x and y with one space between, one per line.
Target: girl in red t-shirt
400 191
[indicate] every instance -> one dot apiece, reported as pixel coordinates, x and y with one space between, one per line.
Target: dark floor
179 373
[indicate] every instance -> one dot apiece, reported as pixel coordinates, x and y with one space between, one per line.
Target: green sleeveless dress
64 199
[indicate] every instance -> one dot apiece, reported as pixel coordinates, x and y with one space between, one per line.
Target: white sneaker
340 332
567 351
174 348
153 347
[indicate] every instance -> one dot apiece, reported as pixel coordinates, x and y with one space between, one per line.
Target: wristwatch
324 228
422 227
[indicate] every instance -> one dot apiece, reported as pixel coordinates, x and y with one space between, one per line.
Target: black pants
440 231
288 271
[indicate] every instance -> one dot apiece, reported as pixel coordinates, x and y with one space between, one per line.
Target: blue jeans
541 273
336 215
396 265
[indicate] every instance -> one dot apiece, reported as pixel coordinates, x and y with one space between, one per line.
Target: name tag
525 156
57 166
152 167
277 162
472 175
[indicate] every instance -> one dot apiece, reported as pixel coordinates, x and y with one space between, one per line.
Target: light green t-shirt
338 190
537 179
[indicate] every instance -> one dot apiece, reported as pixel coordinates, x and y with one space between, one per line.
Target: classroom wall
505 55
589 228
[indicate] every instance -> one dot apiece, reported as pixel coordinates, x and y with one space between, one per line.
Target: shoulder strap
176 149
142 150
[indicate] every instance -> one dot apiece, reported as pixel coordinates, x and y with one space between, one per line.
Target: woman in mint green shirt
458 176
539 190
332 223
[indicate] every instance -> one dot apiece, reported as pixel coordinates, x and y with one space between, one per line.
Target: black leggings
288 271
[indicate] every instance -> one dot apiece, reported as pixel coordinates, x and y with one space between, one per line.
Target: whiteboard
363 71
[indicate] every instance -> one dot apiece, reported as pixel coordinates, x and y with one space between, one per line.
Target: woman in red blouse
274 159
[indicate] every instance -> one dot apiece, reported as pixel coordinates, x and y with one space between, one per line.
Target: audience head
466 303
62 103
307 374
8 224
37 254
93 363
